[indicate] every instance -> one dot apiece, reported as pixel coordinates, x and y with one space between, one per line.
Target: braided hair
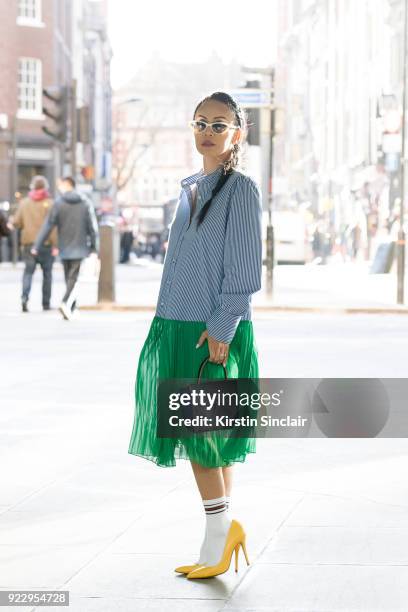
235 158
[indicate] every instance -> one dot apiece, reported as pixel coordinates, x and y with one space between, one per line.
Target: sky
189 31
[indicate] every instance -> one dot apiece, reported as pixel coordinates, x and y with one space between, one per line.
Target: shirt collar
206 182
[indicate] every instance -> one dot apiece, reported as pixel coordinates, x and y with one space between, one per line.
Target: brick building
35 52
47 43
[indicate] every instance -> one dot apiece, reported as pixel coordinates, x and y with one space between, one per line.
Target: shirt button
161 303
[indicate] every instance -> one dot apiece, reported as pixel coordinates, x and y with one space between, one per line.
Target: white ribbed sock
218 523
201 559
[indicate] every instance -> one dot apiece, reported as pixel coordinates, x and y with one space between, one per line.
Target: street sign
253 98
391 143
392 162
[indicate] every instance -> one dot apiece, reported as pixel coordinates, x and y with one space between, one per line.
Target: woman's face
219 145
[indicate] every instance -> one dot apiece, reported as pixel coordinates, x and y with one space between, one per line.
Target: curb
113 307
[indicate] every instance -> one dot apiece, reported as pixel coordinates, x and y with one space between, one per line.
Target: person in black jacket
75 218
5 227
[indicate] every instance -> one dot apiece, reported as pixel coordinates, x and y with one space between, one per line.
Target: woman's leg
227 475
210 483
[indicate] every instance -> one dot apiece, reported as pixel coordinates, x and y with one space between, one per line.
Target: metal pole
270 250
401 232
73 128
13 185
13 168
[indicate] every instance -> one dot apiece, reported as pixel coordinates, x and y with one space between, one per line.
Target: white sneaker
65 311
75 313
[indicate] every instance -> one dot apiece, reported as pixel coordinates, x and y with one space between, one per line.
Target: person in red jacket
30 216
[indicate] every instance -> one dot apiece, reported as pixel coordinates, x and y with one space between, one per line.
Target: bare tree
125 170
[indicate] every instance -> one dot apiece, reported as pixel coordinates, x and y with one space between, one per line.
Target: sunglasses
218 127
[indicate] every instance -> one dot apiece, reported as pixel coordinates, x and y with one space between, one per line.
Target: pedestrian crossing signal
56 108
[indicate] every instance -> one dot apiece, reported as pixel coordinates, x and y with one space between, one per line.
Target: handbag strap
202 365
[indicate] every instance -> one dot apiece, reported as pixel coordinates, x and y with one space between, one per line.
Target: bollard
14 247
3 249
106 282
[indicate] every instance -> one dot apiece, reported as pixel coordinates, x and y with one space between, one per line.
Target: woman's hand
218 350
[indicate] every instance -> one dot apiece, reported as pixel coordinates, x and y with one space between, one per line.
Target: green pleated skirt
169 352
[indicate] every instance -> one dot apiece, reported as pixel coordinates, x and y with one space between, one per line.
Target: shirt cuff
222 325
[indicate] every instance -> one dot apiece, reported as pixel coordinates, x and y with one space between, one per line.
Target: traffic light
254 117
57 112
88 172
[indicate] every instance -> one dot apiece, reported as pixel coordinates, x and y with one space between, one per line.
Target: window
29 88
29 12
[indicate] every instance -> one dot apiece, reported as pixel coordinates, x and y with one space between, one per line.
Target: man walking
30 217
74 216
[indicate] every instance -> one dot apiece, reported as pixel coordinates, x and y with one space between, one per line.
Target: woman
212 267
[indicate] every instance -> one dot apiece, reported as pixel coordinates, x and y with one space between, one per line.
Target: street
337 286
79 513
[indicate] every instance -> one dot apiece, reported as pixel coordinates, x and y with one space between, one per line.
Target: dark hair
39 182
69 179
234 160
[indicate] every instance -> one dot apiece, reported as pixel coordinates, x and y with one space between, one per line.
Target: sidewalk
334 287
326 519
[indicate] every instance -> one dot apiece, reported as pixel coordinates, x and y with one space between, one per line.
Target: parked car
153 228
292 244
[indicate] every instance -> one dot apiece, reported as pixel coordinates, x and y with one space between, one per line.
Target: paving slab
321 588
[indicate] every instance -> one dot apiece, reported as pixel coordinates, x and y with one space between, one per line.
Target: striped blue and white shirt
210 273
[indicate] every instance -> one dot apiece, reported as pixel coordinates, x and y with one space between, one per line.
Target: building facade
335 65
29 29
54 43
91 66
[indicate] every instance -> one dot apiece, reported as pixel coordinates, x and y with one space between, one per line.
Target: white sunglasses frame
230 126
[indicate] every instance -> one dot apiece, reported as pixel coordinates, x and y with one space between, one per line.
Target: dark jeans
71 272
46 260
126 243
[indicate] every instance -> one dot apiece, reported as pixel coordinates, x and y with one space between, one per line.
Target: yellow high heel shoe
186 569
235 539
